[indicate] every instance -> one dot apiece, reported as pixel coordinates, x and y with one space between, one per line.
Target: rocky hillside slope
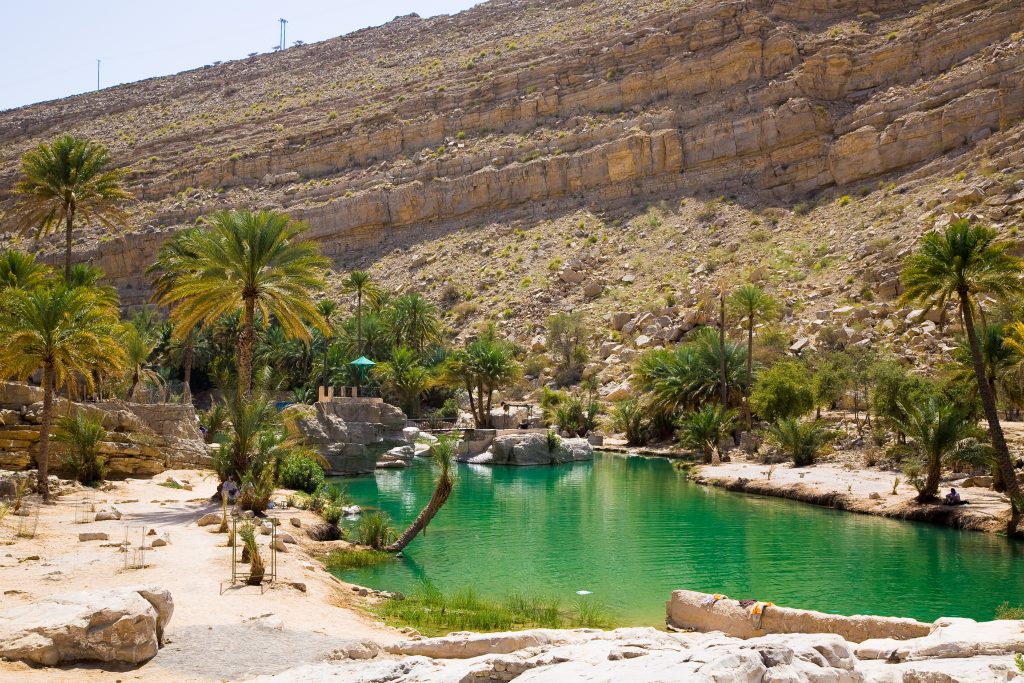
523 157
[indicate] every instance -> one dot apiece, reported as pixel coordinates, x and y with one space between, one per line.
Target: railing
434 424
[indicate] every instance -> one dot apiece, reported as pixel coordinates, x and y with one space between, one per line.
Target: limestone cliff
519 111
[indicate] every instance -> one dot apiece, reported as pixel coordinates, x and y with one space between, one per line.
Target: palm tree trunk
359 323
245 344
991 415
724 387
472 404
931 485
69 225
437 501
43 457
187 369
750 372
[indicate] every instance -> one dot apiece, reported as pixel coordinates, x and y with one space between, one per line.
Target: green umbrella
362 364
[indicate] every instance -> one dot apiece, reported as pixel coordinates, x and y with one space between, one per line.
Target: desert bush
300 472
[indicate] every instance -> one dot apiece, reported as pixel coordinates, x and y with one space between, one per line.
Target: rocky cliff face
525 108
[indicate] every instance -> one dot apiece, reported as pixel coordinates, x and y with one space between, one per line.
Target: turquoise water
630 530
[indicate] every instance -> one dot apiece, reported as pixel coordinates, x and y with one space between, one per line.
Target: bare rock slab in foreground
114 625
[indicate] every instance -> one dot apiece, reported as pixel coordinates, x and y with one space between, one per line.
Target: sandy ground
848 488
213 636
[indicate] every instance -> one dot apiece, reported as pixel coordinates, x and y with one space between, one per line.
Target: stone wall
686 610
131 446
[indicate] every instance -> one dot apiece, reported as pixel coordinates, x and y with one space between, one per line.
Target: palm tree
690 374
358 281
704 429
139 346
405 378
326 307
484 366
799 440
998 357
19 270
66 333
966 262
64 179
443 455
751 302
252 263
414 322
939 429
188 353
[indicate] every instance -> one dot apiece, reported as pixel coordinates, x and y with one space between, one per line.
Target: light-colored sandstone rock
113 625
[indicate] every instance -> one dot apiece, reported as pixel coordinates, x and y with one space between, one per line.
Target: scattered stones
93 536
210 518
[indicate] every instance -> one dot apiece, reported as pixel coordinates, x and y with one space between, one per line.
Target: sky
51 47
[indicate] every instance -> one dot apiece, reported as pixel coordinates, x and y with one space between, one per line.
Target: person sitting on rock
952 498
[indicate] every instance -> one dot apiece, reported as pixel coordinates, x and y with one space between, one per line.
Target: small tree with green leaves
751 303
566 336
784 390
630 418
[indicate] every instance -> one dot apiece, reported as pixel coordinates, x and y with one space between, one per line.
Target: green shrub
705 428
82 436
783 391
576 416
801 441
300 472
450 408
375 530
554 441
629 418
332 513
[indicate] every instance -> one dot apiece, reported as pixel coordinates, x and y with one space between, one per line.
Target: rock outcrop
535 448
114 625
643 655
140 439
695 611
350 433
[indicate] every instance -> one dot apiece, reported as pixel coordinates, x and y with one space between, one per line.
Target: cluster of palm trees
701 386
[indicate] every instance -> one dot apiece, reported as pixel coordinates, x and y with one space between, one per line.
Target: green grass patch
348 558
171 484
433 613
1004 611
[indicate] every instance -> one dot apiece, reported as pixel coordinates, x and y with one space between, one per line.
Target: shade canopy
362 362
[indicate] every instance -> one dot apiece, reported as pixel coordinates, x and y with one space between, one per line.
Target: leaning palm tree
249 263
997 355
751 302
939 430
20 270
966 262
358 281
66 179
68 335
443 455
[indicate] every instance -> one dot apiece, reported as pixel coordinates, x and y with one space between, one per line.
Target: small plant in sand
81 435
895 485
256 568
375 530
20 488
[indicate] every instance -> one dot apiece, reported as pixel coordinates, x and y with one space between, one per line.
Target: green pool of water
630 530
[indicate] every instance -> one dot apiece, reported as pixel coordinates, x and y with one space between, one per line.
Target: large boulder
113 625
535 448
348 432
